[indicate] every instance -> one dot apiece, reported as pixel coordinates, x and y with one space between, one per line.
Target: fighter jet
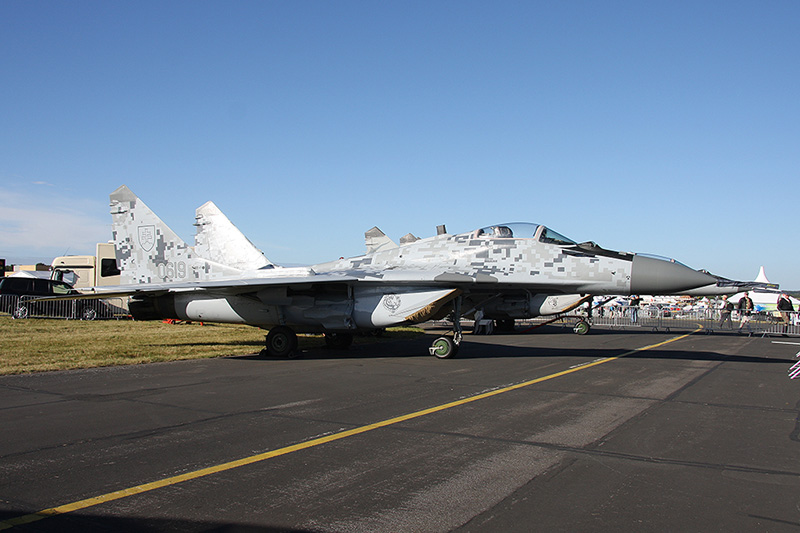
507 270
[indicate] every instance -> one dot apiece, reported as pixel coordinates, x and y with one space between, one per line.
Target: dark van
13 289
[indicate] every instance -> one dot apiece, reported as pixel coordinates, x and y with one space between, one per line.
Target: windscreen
551 237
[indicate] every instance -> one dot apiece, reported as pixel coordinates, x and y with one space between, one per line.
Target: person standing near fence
725 313
785 307
634 305
745 308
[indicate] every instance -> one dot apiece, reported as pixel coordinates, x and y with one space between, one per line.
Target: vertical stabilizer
148 251
376 241
219 240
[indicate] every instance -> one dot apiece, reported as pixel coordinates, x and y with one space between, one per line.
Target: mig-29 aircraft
507 270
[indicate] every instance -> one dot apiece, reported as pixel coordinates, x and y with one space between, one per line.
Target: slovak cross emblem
147 237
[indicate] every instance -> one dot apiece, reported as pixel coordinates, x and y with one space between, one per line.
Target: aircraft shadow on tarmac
485 348
81 522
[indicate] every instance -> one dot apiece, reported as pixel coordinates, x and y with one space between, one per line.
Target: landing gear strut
446 347
281 342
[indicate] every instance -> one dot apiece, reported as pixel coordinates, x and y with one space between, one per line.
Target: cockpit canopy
524 230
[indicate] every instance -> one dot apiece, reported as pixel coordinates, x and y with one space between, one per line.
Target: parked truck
82 271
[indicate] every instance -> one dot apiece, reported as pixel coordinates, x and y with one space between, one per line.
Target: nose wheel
581 327
447 347
444 347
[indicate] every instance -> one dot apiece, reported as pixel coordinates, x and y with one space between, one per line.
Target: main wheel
281 342
20 312
338 341
443 348
88 313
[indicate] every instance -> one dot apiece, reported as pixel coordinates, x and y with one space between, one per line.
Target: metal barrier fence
710 320
92 309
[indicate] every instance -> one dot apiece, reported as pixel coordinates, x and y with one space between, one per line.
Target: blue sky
670 128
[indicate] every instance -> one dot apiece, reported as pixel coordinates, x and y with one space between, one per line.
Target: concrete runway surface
549 431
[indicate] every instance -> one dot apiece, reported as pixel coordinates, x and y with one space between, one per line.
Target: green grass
38 345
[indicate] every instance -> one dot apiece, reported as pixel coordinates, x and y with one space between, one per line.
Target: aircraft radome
509 271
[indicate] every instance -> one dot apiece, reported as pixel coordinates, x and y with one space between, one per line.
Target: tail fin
148 251
220 241
376 241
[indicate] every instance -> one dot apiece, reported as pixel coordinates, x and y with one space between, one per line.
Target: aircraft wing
230 286
399 278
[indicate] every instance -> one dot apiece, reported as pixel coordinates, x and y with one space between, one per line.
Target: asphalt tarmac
547 431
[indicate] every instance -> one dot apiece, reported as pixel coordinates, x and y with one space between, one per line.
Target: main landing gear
281 342
447 347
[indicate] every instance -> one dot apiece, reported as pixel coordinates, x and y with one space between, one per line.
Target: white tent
764 299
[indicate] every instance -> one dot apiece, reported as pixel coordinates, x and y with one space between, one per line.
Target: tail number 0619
172 270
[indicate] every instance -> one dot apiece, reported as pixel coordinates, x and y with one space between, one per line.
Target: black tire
338 341
21 312
443 348
88 313
282 342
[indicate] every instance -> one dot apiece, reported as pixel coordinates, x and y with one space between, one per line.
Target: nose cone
656 276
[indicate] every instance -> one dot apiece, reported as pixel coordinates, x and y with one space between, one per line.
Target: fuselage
509 271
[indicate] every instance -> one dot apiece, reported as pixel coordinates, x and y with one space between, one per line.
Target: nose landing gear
447 347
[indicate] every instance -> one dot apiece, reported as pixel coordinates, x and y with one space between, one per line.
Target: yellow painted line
166 482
